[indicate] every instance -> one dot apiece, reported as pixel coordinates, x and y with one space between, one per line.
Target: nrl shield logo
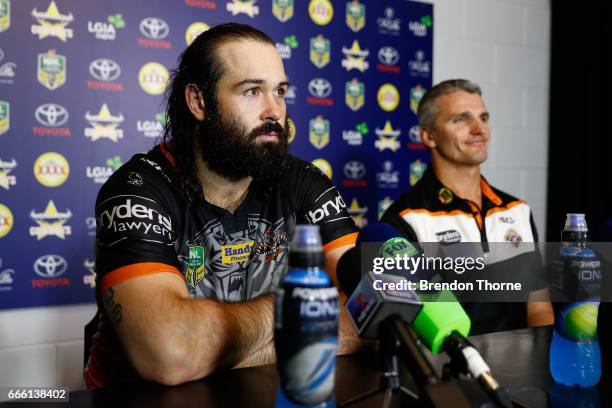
416 94
5 15
282 9
195 265
5 123
319 51
51 71
355 15
354 94
319 132
417 169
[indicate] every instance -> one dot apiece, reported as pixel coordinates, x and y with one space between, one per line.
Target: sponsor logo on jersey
419 28
135 215
7 70
205 4
383 205
388 58
51 70
414 139
388 178
419 66
50 268
5 15
389 24
290 130
416 171
511 235
50 222
51 169
416 94
388 97
387 138
324 166
196 265
90 279
6 179
318 132
236 253
247 7
358 213
154 31
5 117
106 30
355 137
194 30
507 220
448 237
153 78
333 206
134 179
282 10
355 15
6 278
52 24
104 125
354 173
321 11
445 196
6 220
355 58
99 174
319 51
105 71
152 128
51 116
354 94
320 89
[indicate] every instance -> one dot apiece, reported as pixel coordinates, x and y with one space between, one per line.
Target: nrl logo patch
354 94
319 132
355 15
319 51
282 10
51 70
196 269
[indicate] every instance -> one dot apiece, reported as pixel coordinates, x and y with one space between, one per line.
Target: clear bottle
306 325
574 350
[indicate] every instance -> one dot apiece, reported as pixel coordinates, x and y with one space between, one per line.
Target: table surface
518 360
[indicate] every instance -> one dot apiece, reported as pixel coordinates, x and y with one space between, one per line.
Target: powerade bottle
306 325
574 350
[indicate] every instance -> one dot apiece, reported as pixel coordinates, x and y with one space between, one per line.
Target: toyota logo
50 266
320 87
354 169
388 55
414 134
104 69
154 28
51 114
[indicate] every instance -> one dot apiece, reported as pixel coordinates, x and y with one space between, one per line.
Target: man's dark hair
199 66
428 110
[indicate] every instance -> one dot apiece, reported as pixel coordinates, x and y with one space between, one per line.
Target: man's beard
232 152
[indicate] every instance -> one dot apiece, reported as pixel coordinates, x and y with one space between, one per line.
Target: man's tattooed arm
113 308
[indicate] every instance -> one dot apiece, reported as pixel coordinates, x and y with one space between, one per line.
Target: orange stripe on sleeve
135 270
343 240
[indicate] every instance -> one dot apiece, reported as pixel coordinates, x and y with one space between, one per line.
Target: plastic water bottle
306 325
574 350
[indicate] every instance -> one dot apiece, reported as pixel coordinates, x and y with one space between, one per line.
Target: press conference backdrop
81 91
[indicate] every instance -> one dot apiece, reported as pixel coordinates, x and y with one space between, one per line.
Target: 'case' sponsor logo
135 217
236 253
50 222
51 23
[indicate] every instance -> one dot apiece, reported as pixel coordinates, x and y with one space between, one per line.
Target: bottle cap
575 222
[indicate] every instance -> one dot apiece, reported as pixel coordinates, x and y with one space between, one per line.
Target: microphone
442 325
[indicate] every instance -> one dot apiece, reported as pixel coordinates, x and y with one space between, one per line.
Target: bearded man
192 237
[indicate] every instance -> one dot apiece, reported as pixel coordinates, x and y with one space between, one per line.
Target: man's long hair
199 66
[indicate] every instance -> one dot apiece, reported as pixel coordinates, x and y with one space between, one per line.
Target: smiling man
453 203
192 237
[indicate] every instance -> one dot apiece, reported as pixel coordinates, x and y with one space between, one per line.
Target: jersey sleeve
318 201
135 229
396 221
